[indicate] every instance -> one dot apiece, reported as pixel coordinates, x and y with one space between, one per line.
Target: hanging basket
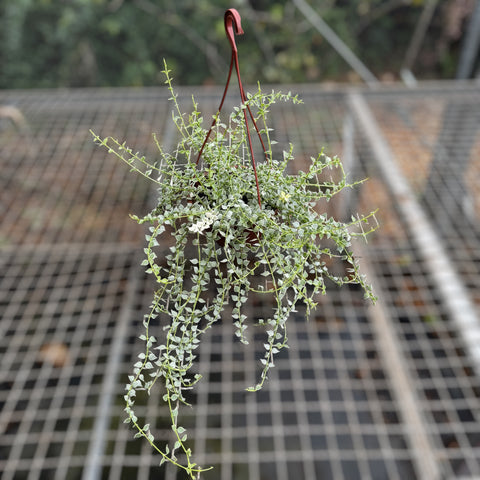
240 227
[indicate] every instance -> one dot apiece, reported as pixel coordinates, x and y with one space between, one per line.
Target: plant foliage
226 240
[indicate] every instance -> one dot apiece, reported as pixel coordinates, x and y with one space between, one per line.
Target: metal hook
232 18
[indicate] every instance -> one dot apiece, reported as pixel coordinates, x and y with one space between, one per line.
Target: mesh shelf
59 308
56 185
385 392
441 372
436 139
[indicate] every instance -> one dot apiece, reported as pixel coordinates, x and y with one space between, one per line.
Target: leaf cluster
228 244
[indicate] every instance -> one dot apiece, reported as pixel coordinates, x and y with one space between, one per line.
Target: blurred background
78 43
385 392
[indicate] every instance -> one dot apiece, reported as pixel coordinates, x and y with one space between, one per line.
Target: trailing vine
225 247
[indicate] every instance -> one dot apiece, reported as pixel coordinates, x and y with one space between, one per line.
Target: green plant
226 236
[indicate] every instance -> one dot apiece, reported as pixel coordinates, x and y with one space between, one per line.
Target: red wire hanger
233 25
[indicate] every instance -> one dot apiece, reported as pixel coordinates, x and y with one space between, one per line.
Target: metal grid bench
384 392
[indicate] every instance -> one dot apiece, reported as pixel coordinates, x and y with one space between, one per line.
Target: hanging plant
236 228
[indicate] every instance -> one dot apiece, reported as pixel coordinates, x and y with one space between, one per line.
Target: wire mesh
59 308
56 185
444 376
73 294
436 139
